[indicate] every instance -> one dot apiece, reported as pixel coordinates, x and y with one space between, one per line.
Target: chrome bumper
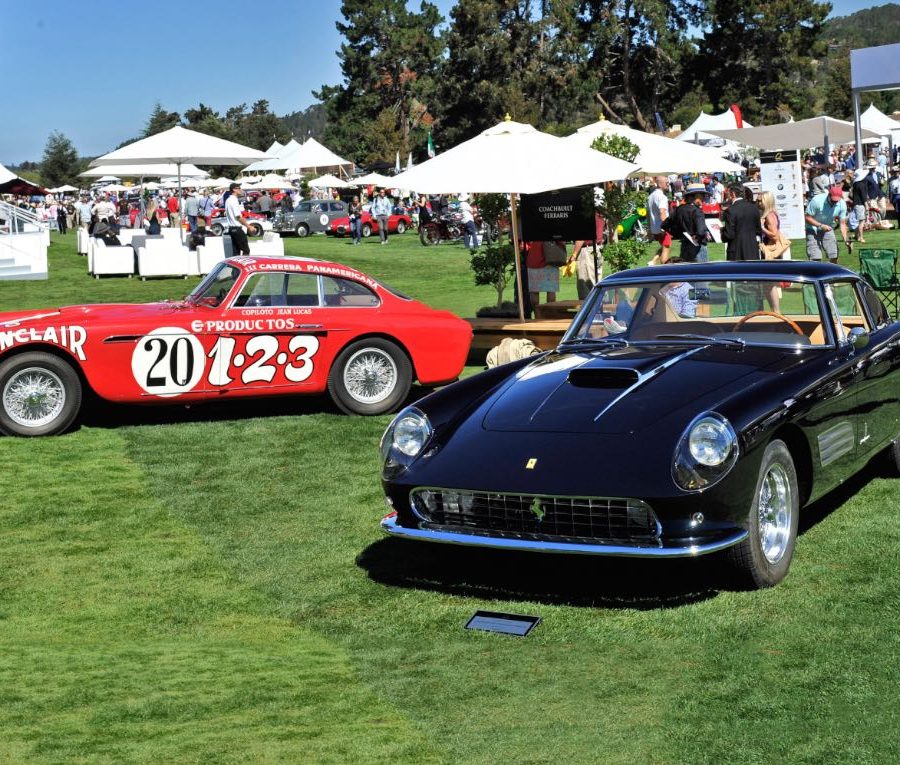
390 526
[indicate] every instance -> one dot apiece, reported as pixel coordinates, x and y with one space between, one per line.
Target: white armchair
271 245
214 250
163 257
111 261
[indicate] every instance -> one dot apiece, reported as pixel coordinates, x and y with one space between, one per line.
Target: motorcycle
450 227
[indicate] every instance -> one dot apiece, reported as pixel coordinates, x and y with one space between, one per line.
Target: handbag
776 249
555 254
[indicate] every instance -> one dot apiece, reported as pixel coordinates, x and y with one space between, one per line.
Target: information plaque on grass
509 624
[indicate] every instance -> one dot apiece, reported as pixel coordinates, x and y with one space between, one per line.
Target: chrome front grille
598 519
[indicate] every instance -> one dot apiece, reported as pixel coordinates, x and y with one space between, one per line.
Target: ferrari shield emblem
537 509
531 463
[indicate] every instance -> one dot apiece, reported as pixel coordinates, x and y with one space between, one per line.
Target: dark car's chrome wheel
366 230
370 377
401 227
763 558
40 395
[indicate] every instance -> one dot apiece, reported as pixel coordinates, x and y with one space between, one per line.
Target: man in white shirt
470 232
104 210
657 212
236 221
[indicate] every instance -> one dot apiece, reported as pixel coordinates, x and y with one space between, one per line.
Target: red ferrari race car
397 224
254 326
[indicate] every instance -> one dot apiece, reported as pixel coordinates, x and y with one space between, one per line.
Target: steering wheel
743 320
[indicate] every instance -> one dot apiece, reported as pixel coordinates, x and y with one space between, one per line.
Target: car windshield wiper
733 342
619 342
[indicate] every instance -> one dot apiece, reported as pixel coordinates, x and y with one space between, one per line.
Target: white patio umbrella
272 182
220 183
658 154
372 179
180 146
328 181
513 158
65 188
144 170
115 187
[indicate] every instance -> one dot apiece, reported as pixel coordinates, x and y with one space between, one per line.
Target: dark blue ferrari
689 409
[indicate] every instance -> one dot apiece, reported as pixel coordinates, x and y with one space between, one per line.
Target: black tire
429 234
366 230
401 227
254 229
755 564
301 230
379 354
216 229
42 372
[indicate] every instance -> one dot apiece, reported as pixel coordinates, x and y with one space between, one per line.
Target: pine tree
60 164
759 54
160 120
389 62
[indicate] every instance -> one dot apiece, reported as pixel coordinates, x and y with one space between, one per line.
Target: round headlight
710 441
411 432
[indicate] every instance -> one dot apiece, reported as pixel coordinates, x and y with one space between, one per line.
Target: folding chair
879 268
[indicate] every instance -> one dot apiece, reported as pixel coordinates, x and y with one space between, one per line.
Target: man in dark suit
741 227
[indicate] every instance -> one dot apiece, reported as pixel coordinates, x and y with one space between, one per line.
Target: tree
389 62
759 54
160 120
60 164
617 198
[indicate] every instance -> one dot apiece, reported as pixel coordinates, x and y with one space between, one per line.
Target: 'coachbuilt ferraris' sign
567 214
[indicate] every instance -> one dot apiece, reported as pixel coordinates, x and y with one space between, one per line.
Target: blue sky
93 69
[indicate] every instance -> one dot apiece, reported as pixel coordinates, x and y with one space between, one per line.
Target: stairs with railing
24 239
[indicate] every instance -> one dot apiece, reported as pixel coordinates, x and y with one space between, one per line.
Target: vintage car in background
255 326
689 409
258 222
398 223
312 216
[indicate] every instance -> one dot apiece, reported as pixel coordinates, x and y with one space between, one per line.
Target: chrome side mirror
858 338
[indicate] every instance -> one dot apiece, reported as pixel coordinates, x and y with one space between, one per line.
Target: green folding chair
879 268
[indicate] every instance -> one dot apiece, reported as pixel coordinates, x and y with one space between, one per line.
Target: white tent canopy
220 183
875 120
273 182
144 170
803 134
659 154
273 150
700 129
308 156
328 181
65 188
266 164
6 175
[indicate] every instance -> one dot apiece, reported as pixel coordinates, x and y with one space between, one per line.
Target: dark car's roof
736 269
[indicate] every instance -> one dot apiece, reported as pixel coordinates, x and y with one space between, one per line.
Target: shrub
495 265
623 255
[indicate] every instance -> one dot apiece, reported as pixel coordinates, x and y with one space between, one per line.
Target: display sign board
780 173
875 68
567 214
508 624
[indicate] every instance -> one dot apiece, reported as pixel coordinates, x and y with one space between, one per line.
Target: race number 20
168 361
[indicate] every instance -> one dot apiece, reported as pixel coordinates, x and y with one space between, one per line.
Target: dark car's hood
624 390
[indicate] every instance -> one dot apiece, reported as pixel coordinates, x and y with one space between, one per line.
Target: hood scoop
616 378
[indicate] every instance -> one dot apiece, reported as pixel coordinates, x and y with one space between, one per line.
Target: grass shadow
582 581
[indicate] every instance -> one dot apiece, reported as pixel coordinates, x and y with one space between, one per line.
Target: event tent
373 179
513 158
144 170
311 155
273 182
273 150
659 154
10 183
700 130
876 121
266 164
803 134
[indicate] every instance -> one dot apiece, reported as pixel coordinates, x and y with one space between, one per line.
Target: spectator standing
541 277
894 188
470 233
823 181
172 206
192 210
103 211
859 198
381 211
741 229
822 212
689 222
236 221
657 212
85 212
355 211
205 205
151 221
265 204
61 219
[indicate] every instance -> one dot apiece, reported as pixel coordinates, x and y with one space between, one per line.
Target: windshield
734 312
216 286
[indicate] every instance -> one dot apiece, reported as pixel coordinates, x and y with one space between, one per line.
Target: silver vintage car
312 216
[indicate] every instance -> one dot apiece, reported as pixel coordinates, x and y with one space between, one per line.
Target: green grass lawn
210 585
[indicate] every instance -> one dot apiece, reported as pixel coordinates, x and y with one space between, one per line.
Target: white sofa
164 257
214 250
271 245
111 261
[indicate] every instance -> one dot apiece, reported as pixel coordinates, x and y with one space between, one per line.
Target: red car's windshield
216 286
